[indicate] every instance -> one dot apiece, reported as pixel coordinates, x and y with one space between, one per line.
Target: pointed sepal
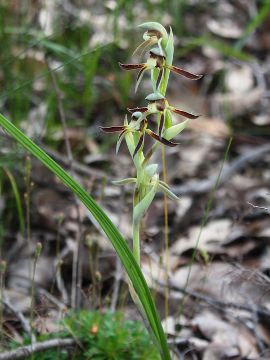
124 181
112 129
161 139
174 130
131 66
184 113
184 73
166 190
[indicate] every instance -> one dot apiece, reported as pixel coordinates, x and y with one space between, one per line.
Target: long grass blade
132 268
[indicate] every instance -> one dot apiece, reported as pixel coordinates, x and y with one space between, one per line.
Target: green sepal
154 76
141 208
124 181
175 130
166 190
155 26
169 49
168 120
151 169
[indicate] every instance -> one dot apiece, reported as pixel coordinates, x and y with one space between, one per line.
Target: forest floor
60 81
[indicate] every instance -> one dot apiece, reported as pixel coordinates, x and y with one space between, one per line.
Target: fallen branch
26 351
24 322
220 305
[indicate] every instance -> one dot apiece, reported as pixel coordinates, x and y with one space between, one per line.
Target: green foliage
102 337
108 336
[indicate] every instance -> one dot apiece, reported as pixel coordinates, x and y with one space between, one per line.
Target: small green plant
108 336
99 336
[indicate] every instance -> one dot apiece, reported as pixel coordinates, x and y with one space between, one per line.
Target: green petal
175 130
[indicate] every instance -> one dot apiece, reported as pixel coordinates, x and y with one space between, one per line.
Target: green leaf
141 208
132 268
17 199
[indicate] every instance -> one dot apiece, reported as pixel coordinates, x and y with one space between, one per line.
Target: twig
116 287
60 282
259 207
221 305
24 322
77 166
25 351
61 306
203 186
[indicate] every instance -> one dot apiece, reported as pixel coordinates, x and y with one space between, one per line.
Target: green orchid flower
157 60
138 123
157 103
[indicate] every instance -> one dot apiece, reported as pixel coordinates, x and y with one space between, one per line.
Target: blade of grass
132 268
255 22
17 199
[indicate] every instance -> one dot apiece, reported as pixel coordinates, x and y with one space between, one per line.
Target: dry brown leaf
211 237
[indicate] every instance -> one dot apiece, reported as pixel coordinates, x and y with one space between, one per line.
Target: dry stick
24 322
60 282
76 264
26 351
241 162
58 265
220 305
32 281
77 166
61 305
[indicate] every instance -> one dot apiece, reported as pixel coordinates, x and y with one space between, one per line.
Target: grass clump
99 336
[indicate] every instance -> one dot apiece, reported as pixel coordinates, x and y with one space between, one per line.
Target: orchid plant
159 44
